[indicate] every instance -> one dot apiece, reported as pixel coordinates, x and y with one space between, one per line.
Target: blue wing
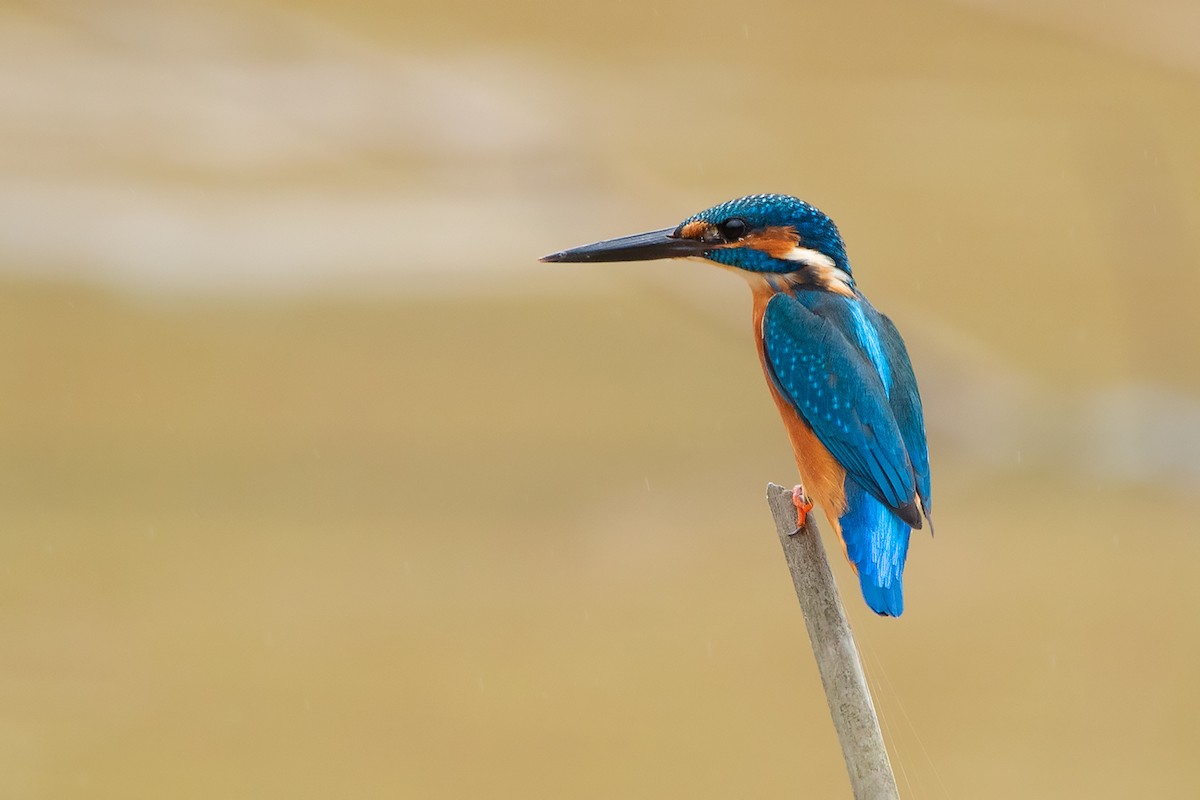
905 400
839 391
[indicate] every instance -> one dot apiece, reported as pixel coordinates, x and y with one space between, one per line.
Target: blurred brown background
314 483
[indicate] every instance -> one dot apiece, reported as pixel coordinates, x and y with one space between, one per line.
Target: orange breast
823 477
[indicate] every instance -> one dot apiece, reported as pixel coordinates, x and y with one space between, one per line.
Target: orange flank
823 478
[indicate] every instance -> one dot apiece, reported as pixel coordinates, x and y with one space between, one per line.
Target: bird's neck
820 276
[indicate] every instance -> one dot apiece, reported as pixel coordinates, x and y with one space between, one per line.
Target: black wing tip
911 514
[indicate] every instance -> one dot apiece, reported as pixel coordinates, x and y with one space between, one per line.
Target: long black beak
639 247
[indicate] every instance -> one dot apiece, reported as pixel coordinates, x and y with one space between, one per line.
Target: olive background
315 483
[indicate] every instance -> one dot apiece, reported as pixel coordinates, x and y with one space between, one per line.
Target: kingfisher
837 369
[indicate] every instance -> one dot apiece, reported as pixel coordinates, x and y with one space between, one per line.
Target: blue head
767 233
761 233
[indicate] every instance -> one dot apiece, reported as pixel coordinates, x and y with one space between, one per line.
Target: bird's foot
803 506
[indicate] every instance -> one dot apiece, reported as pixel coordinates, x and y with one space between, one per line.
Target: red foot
803 506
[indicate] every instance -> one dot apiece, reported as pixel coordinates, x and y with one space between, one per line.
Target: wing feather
906 406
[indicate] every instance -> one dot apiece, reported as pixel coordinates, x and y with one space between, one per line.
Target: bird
837 369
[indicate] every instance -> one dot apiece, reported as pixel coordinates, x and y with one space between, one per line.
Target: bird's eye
733 229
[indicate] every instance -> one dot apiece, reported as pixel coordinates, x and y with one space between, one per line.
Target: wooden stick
837 658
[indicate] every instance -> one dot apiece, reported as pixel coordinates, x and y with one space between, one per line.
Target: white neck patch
806 255
823 269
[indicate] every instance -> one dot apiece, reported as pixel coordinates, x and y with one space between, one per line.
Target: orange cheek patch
776 242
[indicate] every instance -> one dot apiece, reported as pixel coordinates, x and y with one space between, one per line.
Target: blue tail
877 543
